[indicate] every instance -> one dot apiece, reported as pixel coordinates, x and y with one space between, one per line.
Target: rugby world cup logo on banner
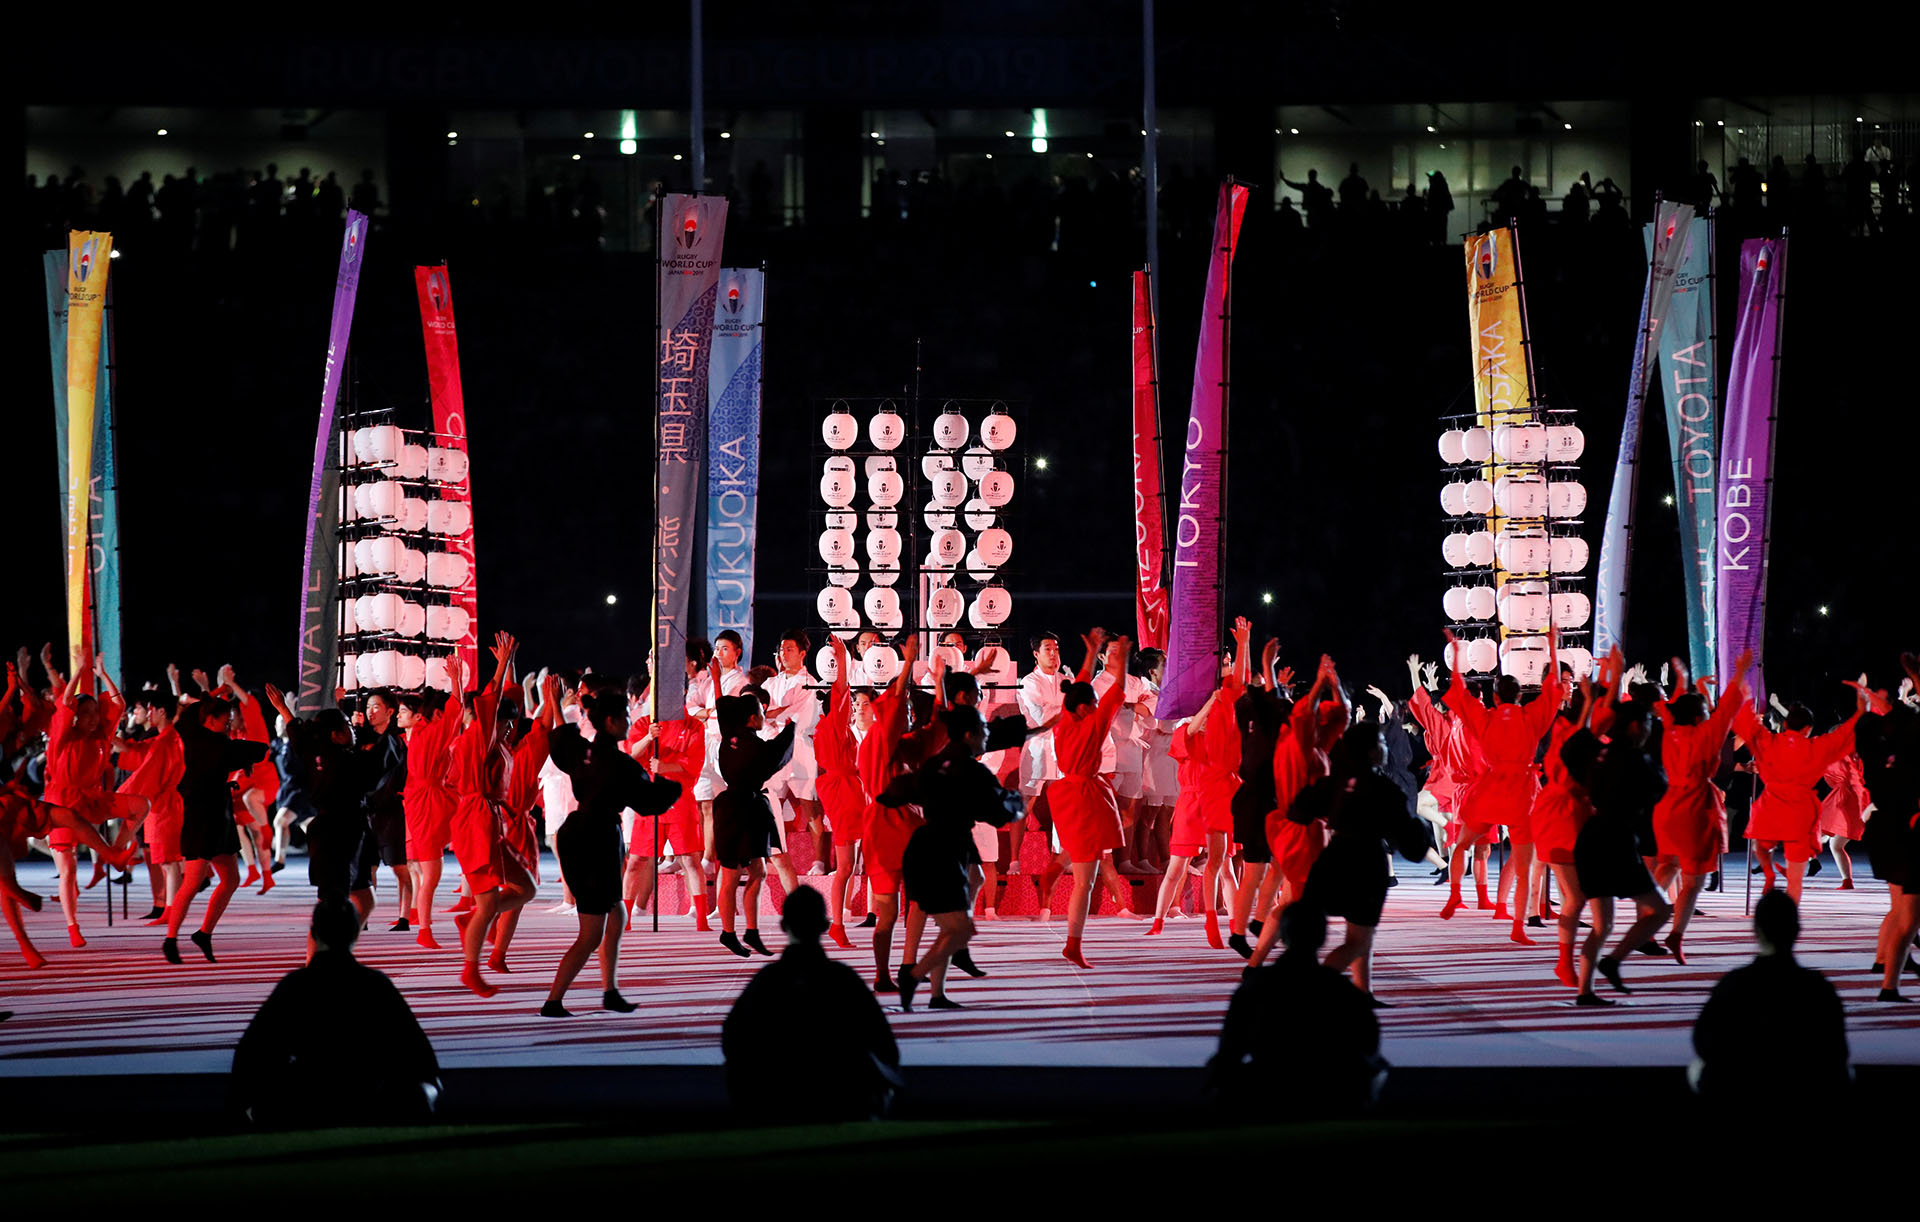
350 248
690 231
89 250
437 292
1487 259
734 303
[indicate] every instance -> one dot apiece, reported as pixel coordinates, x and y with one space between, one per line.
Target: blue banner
104 532
733 451
1671 223
1688 382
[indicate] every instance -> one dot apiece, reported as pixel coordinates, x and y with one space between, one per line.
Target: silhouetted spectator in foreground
1772 1034
334 1043
1298 1039
853 1063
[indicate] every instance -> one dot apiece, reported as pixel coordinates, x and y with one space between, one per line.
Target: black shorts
341 855
592 862
1250 829
933 875
390 837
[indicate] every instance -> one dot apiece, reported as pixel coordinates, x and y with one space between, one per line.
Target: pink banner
1149 500
1193 641
450 423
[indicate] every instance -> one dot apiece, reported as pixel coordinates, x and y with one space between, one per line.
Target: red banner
1149 502
450 425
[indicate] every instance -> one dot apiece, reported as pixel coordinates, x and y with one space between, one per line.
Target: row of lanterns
1514 496
1513 443
1523 657
391 668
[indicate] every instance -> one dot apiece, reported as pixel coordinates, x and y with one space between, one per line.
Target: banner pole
653 604
1150 159
1773 416
699 118
1226 364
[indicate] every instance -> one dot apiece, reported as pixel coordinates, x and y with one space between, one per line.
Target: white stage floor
1462 994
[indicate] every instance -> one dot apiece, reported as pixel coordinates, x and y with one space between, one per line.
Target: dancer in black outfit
1369 815
341 849
954 791
1888 740
743 831
1625 784
208 838
606 780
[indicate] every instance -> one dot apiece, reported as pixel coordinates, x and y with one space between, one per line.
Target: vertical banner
1496 319
691 230
1688 378
1667 239
319 618
1149 500
1746 452
435 291
733 451
1193 639
88 257
104 518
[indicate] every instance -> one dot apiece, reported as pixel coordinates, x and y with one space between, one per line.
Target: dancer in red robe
1206 788
1563 804
886 829
156 766
1690 822
1790 762
1843 811
1086 815
431 724
79 745
842 800
521 836
255 789
482 774
1318 720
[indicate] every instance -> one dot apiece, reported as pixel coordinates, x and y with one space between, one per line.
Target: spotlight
1667 500
1009 135
676 157
451 143
1822 608
879 144
1040 464
612 599
576 157
1266 599
1859 118
989 156
1293 131
873 135
1697 123
1723 122
114 253
163 131
1089 156
1092 284
1567 126
1039 144
726 135
586 135
450 135
1276 131
1432 128
629 147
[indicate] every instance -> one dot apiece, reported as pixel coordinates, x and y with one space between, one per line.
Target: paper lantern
449 517
365 559
978 515
1481 602
412 671
1579 660
362 609
448 570
839 464
995 605
881 663
1477 444
411 462
366 670
1521 496
977 566
825 664
996 545
349 565
936 462
447 466
1565 443
883 545
949 489
1453 499
362 445
998 431
386 612
949 546
1520 442
950 430
996 488
874 464
350 671
1454 603
412 568
1453 549
974 618
846 573
886 430
440 625
413 515
883 572
884 488
977 462
1523 551
1480 549
838 430
1479 497
944 607
1452 446
881 603
940 519
384 442
836 546
1482 655
890 623
1566 499
1524 658
413 620
1525 612
370 499
834 604
1569 554
836 488
439 678
839 520
389 554
882 521
1571 609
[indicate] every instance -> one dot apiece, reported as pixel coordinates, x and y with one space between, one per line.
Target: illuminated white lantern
413 515
883 572
1565 443
366 670
834 604
388 554
1523 551
882 603
1453 446
836 546
1566 499
1571 609
845 574
412 566
1454 603
825 664
839 430
1453 549
412 671
449 517
1580 660
996 488
979 515
413 620
363 445
1483 655
950 430
995 605
890 623
1524 442
437 623
949 489
363 614
1525 612
944 607
836 488
977 462
1479 497
977 566
948 547
1524 658
884 488
1477 444
349 563
448 466
386 612
882 521
350 671
1481 602
876 463
881 663
1521 496
439 678
1480 549
997 431
384 441
995 546
448 570
1569 554
883 545
1453 498
932 464
835 519
940 519
886 430
412 462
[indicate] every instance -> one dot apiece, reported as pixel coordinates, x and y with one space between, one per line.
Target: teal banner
1689 382
104 533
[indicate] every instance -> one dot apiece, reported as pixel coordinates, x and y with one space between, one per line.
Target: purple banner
1193 637
1746 455
318 618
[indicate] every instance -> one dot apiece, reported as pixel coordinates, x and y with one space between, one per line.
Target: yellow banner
1496 317
88 255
